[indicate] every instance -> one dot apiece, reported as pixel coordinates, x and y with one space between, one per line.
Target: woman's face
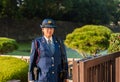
48 32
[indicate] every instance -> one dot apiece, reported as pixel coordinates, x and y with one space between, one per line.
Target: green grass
24 50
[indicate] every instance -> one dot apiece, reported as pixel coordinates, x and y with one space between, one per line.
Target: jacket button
52 58
53 72
52 64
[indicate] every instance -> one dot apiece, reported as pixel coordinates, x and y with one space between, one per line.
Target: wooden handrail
98 69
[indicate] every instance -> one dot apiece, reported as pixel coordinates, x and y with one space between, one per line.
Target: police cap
48 23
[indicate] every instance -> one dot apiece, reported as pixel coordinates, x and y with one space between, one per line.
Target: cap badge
49 22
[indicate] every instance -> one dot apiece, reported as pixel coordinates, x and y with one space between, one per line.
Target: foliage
13 68
116 14
92 12
114 43
7 45
48 8
84 11
89 39
9 8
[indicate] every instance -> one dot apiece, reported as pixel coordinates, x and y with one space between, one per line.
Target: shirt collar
49 39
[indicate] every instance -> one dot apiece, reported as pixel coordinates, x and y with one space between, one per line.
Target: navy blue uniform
50 65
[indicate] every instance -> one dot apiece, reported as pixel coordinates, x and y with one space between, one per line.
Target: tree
45 8
84 11
0 6
9 8
116 14
92 12
89 39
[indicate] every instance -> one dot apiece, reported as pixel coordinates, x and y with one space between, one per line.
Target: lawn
24 50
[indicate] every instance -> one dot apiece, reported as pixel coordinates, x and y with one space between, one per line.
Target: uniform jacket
50 65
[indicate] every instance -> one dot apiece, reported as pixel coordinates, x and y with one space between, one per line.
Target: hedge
13 68
114 43
7 45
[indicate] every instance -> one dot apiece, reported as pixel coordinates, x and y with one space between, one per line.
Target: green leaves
89 39
114 43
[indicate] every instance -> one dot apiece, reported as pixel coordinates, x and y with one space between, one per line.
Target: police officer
48 61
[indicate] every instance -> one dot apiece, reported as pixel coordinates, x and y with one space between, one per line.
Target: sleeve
32 63
65 62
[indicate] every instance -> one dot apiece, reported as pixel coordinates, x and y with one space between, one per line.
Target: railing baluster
111 71
99 73
90 74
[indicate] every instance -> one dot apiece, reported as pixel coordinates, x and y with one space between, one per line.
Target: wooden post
75 72
118 69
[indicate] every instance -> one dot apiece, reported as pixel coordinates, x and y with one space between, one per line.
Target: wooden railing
98 69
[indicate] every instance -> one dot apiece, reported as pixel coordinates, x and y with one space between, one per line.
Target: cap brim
47 26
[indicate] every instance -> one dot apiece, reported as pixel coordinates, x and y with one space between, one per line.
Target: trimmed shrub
7 45
13 68
114 43
89 39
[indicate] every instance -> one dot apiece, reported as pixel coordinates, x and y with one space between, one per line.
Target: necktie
51 46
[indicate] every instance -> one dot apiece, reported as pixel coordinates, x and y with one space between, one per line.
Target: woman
48 61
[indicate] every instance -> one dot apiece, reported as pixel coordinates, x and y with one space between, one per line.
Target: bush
7 45
13 68
114 43
89 39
